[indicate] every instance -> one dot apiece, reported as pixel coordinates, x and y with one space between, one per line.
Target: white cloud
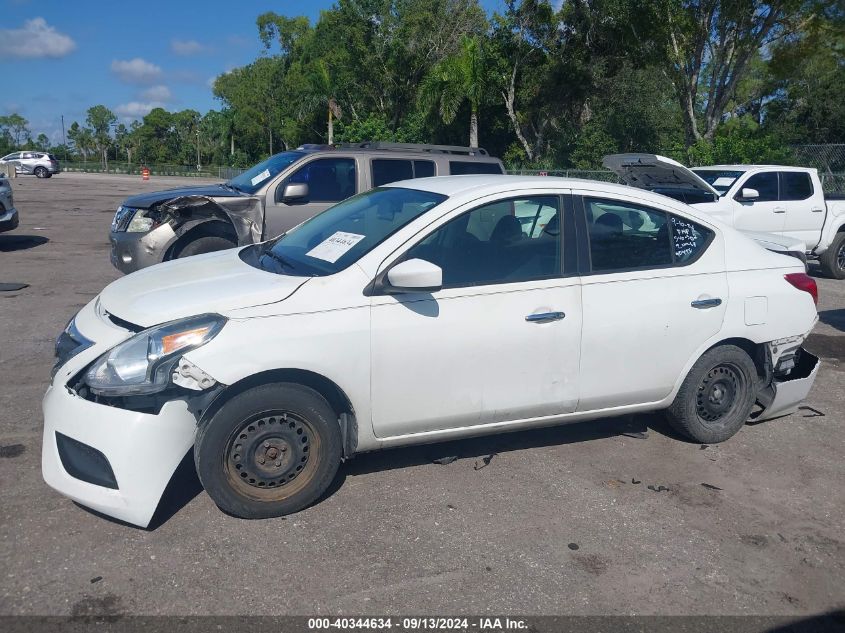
136 71
136 109
35 39
186 47
159 93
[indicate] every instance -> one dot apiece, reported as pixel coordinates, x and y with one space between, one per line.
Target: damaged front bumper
134 251
115 461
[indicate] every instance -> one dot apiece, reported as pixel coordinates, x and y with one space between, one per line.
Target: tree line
704 81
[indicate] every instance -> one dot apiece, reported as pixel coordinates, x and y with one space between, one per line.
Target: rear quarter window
465 167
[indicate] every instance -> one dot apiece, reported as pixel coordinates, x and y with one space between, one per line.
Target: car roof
749 167
491 184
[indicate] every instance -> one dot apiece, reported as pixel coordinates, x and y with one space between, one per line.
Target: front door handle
545 317
779 210
816 210
703 304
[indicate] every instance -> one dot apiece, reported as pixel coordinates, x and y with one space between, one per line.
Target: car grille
122 219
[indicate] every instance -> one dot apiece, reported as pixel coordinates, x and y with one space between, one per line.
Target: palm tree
454 79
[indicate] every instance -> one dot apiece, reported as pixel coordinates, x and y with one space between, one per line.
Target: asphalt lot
542 522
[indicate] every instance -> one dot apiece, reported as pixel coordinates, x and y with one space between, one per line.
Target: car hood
215 282
146 200
652 171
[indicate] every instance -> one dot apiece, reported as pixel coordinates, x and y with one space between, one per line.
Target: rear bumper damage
785 393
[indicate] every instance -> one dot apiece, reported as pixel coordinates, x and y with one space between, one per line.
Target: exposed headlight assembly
142 221
144 363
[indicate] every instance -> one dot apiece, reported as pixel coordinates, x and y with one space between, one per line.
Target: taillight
804 282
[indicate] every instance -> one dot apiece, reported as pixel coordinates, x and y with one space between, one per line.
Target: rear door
654 291
805 207
330 179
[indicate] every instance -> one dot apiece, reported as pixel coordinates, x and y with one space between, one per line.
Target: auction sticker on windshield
264 175
335 247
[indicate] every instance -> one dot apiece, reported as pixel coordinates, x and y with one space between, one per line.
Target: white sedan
418 312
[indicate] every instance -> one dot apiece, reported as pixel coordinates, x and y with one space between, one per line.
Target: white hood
651 171
216 282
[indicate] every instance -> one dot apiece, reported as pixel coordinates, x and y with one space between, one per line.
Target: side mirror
295 191
749 195
414 275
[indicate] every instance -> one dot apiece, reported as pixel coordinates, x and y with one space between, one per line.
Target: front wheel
833 259
206 244
716 397
269 451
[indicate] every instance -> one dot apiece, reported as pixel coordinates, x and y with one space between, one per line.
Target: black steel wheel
269 451
717 395
833 259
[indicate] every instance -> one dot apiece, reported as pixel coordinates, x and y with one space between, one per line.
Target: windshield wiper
278 259
232 187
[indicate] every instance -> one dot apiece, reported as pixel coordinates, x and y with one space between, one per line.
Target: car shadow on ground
484 449
185 485
834 318
11 243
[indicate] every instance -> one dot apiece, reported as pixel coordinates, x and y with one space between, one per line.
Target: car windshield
720 179
255 177
341 235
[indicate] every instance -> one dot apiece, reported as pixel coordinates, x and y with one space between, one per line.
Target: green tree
100 120
455 79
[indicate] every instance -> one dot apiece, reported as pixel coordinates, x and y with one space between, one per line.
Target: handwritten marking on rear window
687 238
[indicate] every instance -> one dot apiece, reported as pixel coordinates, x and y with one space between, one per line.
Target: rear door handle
545 317
703 304
779 210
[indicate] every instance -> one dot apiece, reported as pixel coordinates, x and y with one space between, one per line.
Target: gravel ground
541 522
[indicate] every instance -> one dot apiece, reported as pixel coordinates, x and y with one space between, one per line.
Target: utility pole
199 166
64 140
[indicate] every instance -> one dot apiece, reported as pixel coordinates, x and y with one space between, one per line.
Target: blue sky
59 57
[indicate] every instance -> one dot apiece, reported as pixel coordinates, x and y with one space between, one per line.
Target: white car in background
422 311
8 213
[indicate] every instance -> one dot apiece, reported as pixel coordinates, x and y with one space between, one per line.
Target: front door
766 213
499 342
655 292
329 181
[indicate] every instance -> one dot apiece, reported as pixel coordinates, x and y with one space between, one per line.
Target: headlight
142 221
144 363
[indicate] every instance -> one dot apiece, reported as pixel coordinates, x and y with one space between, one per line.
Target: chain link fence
209 171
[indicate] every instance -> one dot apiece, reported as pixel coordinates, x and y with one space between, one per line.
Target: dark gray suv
273 197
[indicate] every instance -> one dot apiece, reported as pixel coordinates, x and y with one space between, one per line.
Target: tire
206 244
41 172
716 397
292 428
833 259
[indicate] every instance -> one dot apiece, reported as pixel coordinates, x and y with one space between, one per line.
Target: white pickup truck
782 201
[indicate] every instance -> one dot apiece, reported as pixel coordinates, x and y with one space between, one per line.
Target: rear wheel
833 259
206 244
269 451
716 397
41 172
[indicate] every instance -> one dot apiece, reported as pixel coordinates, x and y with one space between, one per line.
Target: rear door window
423 168
766 185
626 236
795 185
387 170
464 167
